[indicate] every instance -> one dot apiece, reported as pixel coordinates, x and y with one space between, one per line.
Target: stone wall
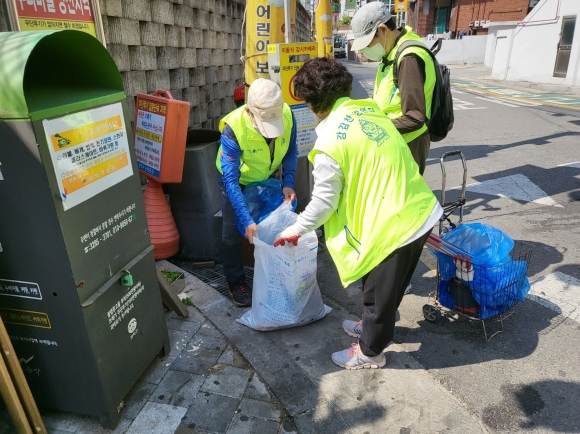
189 47
4 24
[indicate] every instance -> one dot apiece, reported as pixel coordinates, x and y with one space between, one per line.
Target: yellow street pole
323 13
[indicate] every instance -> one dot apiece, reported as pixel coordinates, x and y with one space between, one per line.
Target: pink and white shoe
353 358
352 328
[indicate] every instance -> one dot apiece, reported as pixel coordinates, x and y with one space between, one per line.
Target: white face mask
376 52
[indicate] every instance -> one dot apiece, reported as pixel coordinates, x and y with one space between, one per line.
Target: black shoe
240 294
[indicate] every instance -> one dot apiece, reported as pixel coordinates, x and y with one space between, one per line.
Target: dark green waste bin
195 202
78 286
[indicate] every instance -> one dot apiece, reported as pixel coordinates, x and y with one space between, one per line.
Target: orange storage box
160 136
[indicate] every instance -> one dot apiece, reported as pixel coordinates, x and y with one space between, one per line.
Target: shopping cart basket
476 291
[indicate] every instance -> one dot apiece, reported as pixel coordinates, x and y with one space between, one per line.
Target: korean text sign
89 152
265 26
56 15
149 131
160 136
292 57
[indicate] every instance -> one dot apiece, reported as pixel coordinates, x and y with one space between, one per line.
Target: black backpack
442 118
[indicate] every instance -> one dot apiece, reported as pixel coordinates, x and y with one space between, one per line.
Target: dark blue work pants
231 246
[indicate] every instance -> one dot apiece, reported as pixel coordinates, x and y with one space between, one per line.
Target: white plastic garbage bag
285 292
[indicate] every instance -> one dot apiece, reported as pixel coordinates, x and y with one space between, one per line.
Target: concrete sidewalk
222 377
482 74
320 397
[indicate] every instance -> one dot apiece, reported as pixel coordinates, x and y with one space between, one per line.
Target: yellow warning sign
401 6
292 57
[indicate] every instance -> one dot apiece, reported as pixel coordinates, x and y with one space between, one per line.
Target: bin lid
202 137
48 73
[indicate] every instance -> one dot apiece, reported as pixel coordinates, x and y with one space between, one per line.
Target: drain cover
214 277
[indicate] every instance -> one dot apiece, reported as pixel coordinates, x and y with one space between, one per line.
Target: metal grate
214 277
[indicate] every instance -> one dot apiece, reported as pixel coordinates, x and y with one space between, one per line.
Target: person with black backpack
410 87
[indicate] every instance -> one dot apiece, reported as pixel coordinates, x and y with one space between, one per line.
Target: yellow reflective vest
384 200
388 97
256 164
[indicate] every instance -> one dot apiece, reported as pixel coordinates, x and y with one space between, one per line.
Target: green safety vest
384 200
255 161
388 96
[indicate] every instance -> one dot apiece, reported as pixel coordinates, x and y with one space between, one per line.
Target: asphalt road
522 152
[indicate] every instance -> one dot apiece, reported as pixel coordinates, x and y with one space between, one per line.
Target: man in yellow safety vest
408 105
376 208
257 138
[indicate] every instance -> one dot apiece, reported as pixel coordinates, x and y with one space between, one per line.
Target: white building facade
544 48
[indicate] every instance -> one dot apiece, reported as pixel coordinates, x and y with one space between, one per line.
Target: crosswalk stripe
459 104
553 102
516 187
559 292
496 101
575 164
522 102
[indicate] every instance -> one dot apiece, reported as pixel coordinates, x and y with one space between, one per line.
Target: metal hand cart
468 292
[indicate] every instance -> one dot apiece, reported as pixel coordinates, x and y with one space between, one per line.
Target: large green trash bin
78 286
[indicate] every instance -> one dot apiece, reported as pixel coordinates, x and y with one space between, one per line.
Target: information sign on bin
160 136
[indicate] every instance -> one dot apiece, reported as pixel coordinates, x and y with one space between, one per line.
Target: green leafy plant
187 301
172 276
345 20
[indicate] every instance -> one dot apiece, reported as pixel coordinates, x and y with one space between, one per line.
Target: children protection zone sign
292 57
89 152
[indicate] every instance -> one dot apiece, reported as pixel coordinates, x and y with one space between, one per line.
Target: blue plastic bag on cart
497 282
494 293
488 246
262 198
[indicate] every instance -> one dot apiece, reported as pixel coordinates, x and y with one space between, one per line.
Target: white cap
366 21
266 103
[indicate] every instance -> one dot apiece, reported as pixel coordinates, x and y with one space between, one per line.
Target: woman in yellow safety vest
376 208
256 139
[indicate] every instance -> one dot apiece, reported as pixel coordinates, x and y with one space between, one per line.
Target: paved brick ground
203 386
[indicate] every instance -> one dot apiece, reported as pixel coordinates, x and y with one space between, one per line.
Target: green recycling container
78 286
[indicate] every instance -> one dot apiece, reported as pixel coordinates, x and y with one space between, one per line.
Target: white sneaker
352 328
353 358
408 289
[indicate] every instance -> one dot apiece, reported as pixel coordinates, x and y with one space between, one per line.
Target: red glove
282 241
